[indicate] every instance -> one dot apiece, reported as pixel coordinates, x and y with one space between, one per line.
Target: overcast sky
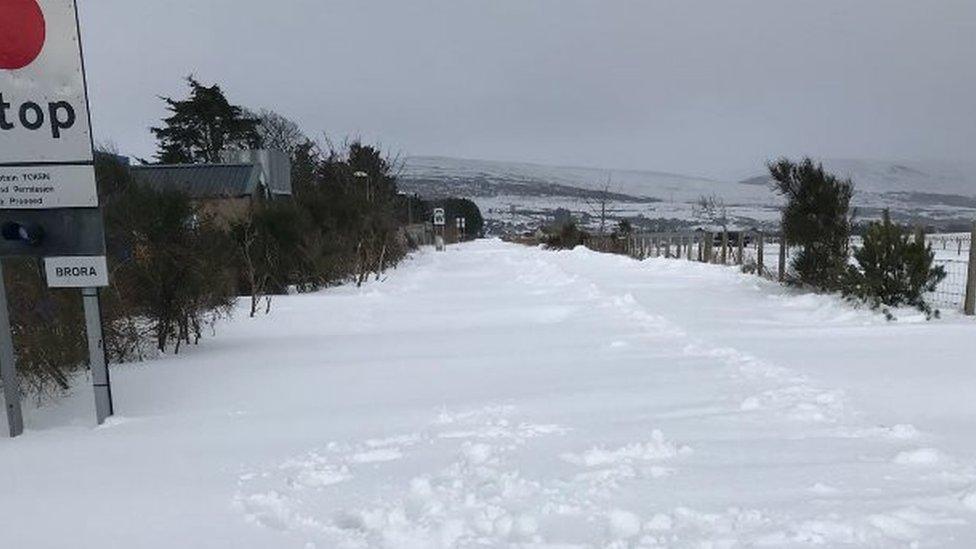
705 87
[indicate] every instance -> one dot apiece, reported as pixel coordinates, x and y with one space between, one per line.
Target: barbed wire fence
768 255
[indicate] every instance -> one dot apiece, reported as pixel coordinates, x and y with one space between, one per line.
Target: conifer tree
893 267
816 218
202 126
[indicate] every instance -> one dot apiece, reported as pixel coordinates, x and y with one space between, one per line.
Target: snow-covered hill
881 177
524 195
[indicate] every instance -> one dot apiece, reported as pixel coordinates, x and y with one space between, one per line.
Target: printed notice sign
45 187
76 272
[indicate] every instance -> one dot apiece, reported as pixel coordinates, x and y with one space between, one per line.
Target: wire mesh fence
951 292
953 252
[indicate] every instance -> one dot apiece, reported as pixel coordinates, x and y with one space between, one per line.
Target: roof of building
202 180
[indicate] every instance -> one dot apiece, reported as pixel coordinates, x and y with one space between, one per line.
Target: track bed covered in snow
497 395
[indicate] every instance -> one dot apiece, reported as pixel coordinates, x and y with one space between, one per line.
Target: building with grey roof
228 190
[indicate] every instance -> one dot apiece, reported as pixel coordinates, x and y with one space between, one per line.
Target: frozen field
503 396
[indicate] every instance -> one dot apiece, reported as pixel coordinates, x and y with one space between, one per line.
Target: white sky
707 87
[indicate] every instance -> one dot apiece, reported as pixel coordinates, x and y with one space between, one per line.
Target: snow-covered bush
568 237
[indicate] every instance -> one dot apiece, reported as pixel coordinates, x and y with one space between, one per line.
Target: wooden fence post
725 247
920 234
667 247
782 258
760 248
970 306
690 245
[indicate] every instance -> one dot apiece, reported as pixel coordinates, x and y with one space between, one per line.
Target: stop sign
22 33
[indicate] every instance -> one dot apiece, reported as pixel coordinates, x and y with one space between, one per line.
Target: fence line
951 244
767 255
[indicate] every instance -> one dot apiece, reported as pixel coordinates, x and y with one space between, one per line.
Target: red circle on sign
22 33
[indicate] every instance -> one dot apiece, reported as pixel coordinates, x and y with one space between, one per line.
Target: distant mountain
759 180
942 194
881 177
520 195
486 177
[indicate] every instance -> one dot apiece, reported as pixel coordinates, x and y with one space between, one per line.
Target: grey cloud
707 87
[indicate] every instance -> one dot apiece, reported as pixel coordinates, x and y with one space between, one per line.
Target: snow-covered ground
503 396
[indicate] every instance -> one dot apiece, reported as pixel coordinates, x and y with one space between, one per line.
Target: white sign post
48 193
440 219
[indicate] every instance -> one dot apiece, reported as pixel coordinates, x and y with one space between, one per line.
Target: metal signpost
48 196
11 387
